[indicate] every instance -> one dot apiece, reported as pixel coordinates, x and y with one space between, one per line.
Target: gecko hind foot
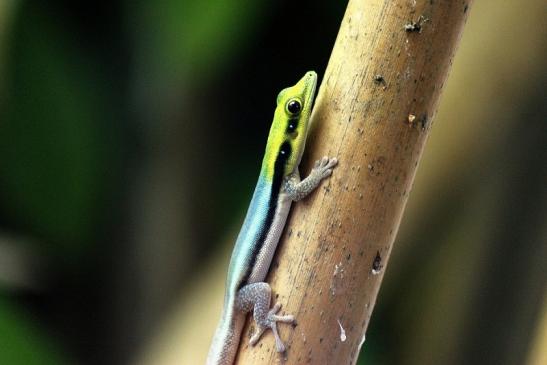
272 315
271 322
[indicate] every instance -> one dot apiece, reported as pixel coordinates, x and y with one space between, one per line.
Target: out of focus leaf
191 39
51 150
22 343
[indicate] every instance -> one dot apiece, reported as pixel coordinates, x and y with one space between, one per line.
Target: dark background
130 139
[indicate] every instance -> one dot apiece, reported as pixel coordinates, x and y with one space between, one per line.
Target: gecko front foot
271 322
297 189
323 167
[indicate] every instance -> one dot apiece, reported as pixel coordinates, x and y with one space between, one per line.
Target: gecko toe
256 336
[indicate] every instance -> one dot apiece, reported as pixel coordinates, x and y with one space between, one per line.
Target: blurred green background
130 139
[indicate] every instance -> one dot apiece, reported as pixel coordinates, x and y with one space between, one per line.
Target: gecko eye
294 106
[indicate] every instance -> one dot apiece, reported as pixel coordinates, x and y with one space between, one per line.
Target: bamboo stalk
374 110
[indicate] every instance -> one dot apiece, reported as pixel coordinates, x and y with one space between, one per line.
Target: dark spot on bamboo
416 26
423 122
379 80
377 264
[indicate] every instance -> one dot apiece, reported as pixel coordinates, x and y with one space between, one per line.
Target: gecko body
278 186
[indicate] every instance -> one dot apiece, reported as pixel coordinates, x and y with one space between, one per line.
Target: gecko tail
226 339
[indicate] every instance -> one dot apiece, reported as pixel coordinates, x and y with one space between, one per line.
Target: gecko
278 185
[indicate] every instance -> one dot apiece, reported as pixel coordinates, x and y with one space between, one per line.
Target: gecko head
290 126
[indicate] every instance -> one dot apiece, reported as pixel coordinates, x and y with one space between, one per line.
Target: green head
289 130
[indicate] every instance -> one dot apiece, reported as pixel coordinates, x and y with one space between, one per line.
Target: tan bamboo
374 110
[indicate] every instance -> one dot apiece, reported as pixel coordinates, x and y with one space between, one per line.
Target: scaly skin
277 187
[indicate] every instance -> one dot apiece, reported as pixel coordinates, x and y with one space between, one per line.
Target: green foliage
193 39
22 343
52 138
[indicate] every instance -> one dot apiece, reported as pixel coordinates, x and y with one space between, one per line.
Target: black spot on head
284 154
280 165
291 126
